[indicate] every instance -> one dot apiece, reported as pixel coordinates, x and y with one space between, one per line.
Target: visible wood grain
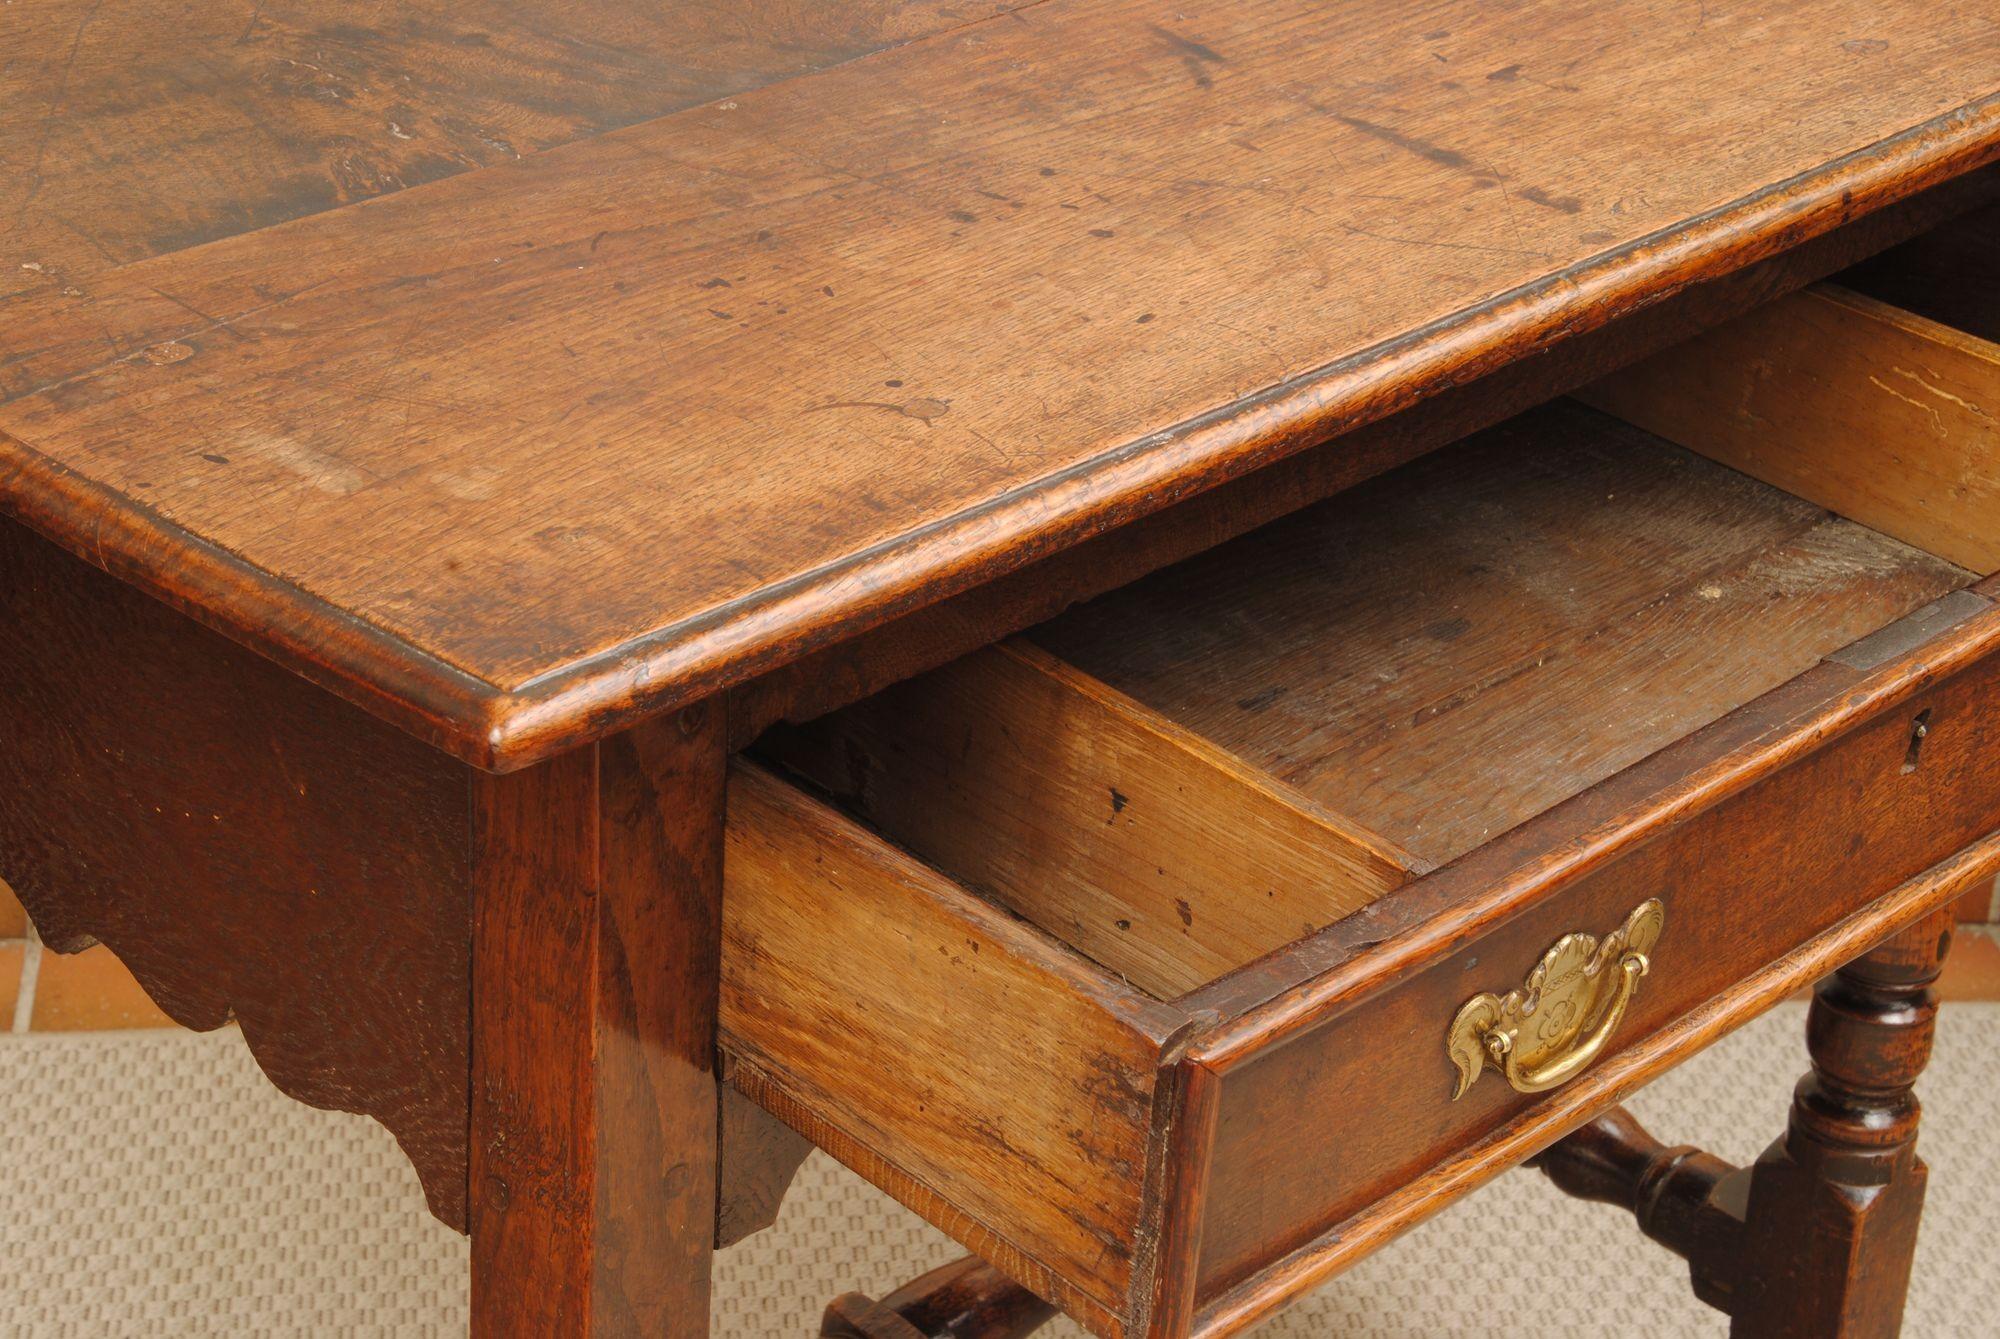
1817 1239
1953 788
410 447
1886 417
925 638
1186 1144
1495 1151
856 1316
1452 648
343 435
1614 511
1949 274
1831 1221
957 1047
1135 841
596 954
256 851
150 127
967 1299
252 849
1712 824
1733 830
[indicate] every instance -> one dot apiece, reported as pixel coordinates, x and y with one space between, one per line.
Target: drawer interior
1950 276
1455 647
1186 774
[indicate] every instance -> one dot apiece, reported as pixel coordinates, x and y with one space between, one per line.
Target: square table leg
596 951
1831 1220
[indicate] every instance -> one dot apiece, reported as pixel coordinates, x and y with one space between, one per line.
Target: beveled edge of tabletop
503 730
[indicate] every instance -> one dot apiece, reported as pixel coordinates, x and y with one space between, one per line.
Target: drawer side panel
884 1010
1874 412
1142 845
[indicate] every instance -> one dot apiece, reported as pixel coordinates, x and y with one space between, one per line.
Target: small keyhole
1920 730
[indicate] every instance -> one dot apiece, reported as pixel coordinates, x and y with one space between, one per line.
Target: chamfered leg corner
1833 1206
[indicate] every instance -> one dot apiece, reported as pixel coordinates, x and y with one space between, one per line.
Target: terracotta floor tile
90 991
1977 907
1972 972
10 981
13 920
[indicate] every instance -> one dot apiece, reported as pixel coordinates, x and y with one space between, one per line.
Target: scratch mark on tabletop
1002 452
1446 246
137 354
339 386
921 410
1458 162
214 322
1165 179
89 239
57 102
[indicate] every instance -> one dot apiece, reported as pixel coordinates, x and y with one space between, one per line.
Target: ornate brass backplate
1551 1029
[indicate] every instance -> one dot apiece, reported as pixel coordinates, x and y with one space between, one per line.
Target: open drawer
1159 955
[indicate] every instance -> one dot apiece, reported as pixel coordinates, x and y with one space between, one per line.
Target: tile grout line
31 971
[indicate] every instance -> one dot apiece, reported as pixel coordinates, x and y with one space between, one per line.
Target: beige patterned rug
154 1185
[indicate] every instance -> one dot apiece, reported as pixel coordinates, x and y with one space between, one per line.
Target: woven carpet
154 1185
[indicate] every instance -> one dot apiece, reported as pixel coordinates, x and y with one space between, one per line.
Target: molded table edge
503 729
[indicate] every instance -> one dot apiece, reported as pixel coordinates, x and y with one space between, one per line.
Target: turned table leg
1814 1241
967 1299
596 959
1831 1222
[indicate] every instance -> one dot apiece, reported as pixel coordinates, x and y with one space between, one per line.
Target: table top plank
516 455
132 128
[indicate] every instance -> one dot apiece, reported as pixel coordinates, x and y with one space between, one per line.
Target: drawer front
1314 1129
1110 1149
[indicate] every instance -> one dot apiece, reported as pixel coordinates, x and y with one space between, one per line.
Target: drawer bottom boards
1130 952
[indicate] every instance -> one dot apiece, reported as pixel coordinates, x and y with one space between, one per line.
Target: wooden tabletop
512 368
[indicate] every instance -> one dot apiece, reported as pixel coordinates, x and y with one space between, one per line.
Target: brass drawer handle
1549 1031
